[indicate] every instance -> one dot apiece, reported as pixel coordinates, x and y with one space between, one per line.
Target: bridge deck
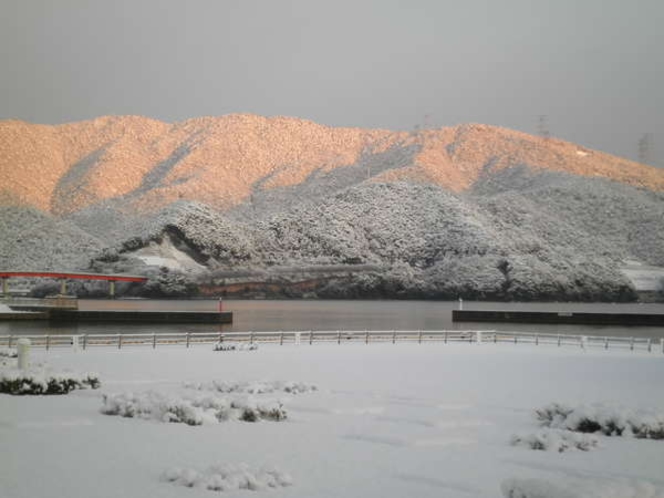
74 275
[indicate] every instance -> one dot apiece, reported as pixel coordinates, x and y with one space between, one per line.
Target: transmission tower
644 148
543 126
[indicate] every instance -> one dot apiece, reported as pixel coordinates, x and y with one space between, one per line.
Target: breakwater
569 318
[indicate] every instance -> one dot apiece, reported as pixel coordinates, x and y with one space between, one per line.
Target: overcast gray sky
595 68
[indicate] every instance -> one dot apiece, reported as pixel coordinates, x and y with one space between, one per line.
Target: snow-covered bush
226 477
190 410
41 381
608 420
534 488
235 346
605 487
253 412
8 353
254 387
555 440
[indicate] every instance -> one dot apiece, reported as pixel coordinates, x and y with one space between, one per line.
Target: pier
64 309
560 317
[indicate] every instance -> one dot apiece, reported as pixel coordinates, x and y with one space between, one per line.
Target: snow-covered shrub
534 488
235 346
252 412
8 353
555 440
609 420
190 410
225 477
605 487
154 405
254 387
42 381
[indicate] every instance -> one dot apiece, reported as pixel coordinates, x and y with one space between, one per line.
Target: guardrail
189 339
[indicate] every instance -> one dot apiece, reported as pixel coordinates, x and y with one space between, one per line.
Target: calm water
341 315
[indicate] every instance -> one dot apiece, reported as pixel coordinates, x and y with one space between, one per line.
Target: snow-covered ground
384 421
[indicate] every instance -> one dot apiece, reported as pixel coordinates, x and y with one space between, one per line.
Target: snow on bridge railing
85 341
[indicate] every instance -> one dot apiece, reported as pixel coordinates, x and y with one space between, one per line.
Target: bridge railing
189 339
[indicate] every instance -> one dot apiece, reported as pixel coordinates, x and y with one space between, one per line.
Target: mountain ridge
143 164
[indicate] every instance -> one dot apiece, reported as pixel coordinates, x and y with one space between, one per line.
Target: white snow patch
644 277
166 254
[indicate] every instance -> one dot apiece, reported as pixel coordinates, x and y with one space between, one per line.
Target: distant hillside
141 165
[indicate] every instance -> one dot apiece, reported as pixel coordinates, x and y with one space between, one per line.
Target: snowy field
381 420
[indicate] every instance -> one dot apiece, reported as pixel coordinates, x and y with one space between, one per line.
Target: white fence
189 339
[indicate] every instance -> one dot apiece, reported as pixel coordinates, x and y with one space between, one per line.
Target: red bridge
64 276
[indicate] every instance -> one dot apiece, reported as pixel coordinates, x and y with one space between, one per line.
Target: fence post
251 337
281 338
394 337
85 341
119 341
515 339
661 341
48 342
606 343
558 340
479 336
495 338
338 336
23 353
536 339
446 337
9 341
188 338
311 337
221 337
649 345
154 340
366 337
419 337
631 343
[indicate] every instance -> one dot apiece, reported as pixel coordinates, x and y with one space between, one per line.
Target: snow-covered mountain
243 205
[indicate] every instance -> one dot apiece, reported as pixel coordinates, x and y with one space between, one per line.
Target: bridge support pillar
63 286
5 287
111 289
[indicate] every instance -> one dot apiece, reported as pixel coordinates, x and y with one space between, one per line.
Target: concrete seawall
69 316
42 315
141 316
641 319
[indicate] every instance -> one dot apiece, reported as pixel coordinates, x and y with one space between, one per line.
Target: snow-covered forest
518 234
